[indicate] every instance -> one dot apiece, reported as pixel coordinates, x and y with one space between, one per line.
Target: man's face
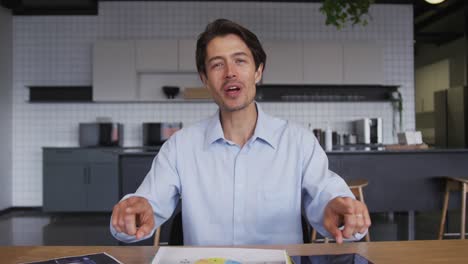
230 73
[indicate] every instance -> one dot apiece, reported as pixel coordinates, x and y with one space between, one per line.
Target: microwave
155 134
369 130
101 134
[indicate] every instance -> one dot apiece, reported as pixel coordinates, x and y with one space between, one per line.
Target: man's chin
226 108
234 108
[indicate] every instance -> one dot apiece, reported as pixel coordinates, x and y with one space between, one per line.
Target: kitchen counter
399 180
145 151
382 150
120 150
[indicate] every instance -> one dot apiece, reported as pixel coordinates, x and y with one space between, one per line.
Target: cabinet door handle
85 175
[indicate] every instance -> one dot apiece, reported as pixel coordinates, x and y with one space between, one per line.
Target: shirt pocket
275 209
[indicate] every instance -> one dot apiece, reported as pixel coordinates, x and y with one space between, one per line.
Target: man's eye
239 61
217 65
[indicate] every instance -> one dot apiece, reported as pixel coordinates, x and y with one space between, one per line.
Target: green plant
339 12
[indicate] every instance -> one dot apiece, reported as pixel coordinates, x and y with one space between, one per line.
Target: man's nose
230 71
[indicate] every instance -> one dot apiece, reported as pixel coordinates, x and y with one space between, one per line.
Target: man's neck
239 126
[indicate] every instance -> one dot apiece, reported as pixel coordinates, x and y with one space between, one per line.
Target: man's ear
203 78
259 73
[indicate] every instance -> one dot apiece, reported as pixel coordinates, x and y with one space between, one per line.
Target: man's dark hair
222 27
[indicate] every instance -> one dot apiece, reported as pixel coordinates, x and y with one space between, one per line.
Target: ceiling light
434 2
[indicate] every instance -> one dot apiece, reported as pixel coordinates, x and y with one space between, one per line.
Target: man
243 175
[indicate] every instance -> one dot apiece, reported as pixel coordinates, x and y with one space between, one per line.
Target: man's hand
351 213
133 216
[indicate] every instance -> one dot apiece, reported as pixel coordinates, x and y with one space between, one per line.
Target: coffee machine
369 130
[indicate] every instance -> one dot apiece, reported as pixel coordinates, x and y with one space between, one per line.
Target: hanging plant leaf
340 12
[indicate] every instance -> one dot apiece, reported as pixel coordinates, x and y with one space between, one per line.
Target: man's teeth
232 88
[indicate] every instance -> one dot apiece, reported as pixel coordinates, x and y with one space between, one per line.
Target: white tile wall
6 112
56 50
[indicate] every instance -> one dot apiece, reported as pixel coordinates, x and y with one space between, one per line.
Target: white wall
56 50
6 86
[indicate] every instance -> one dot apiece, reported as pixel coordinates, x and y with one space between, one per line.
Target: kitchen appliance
101 134
155 134
451 117
349 139
369 130
318 134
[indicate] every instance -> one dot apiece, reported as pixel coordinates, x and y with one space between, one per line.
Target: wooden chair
157 235
356 187
454 184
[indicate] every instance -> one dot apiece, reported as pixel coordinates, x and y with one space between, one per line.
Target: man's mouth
232 90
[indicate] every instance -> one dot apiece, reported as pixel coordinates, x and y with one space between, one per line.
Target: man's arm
328 202
137 215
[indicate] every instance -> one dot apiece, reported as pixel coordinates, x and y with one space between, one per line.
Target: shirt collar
214 130
266 128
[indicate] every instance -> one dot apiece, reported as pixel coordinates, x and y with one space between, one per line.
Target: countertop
349 149
382 150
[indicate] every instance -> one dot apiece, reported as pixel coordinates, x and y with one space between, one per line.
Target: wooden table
433 251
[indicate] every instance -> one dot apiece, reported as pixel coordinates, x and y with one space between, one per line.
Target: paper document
182 255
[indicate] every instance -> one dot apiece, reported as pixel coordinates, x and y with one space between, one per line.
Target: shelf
265 93
60 94
161 101
325 93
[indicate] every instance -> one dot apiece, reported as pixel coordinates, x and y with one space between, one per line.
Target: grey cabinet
307 62
135 70
114 71
80 180
187 55
363 63
323 63
401 181
284 65
165 56
103 186
159 55
133 170
64 187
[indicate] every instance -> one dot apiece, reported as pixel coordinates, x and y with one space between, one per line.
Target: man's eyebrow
240 53
214 58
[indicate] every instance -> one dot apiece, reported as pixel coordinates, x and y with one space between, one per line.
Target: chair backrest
356 188
173 233
157 235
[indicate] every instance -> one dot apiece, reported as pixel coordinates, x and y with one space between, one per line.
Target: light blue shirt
237 196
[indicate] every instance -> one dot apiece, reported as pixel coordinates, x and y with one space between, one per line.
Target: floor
33 227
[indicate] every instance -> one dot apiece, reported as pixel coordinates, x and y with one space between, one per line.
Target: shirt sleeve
161 187
319 184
